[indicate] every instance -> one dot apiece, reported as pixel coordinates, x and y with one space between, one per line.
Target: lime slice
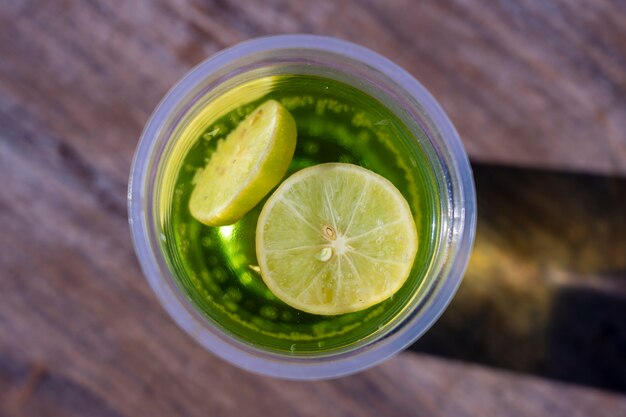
245 166
335 238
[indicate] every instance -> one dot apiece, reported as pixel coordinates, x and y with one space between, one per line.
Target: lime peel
245 166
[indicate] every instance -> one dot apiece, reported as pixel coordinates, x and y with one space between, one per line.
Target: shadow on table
545 289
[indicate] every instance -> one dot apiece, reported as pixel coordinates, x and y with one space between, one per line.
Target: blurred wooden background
537 90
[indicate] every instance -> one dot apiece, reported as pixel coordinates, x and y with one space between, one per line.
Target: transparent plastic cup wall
369 72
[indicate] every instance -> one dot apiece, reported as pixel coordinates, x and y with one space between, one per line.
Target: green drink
217 267
350 106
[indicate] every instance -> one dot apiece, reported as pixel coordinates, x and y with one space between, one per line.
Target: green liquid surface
215 267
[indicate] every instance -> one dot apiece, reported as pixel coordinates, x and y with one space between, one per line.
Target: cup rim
229 348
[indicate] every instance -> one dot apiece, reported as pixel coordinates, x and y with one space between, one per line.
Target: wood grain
538 84
405 386
541 83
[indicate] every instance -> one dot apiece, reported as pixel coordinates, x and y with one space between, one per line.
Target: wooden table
538 84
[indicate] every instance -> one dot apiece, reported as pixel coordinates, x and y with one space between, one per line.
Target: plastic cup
380 78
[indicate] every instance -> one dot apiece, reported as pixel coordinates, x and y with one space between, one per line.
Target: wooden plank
80 331
534 84
98 343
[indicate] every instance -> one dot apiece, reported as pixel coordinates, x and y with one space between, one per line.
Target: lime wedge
246 165
335 238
